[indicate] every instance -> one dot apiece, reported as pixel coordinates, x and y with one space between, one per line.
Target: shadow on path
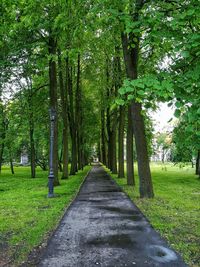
103 227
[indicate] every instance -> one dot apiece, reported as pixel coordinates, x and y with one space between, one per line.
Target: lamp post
51 173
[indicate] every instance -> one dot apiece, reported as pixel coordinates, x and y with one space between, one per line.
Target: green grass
26 214
175 210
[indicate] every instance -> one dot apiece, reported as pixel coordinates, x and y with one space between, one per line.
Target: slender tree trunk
32 145
99 152
63 94
121 142
1 154
113 152
103 139
60 167
108 126
131 54
73 131
198 163
129 150
11 165
3 136
78 115
53 103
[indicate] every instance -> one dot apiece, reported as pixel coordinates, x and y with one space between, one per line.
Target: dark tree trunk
11 165
3 136
103 138
113 152
99 152
72 125
121 142
53 103
78 115
63 94
32 145
129 150
131 54
198 163
31 133
146 187
60 167
108 126
1 154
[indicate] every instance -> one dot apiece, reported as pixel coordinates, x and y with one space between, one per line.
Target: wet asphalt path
104 228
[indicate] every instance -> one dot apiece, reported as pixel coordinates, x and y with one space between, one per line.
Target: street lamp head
52 112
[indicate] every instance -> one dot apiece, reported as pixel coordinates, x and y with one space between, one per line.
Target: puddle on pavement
117 241
161 254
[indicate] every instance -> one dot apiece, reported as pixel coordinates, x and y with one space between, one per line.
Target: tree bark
71 117
11 164
121 142
198 163
131 53
103 138
108 126
63 95
53 103
1 154
3 136
78 115
129 150
32 145
113 152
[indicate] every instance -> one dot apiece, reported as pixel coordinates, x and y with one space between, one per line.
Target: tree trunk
3 136
72 125
131 53
121 142
78 115
103 139
1 154
63 95
198 163
53 103
108 126
129 150
113 152
11 165
146 187
60 167
32 145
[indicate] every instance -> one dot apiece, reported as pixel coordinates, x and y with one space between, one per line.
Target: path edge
156 230
35 256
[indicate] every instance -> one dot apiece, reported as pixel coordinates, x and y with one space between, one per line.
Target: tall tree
130 45
63 95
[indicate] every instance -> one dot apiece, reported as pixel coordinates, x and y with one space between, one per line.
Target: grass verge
175 210
26 214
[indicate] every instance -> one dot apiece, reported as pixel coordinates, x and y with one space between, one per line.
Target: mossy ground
175 210
26 214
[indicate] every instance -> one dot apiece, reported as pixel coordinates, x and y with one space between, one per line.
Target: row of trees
101 67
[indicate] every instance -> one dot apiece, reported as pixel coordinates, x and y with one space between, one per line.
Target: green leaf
120 102
177 113
140 92
131 97
178 104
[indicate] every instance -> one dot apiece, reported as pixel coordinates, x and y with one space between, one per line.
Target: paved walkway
104 228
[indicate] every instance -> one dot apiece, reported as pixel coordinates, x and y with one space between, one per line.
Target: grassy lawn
26 214
175 210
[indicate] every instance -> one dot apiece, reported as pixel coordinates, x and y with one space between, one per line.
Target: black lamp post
51 173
